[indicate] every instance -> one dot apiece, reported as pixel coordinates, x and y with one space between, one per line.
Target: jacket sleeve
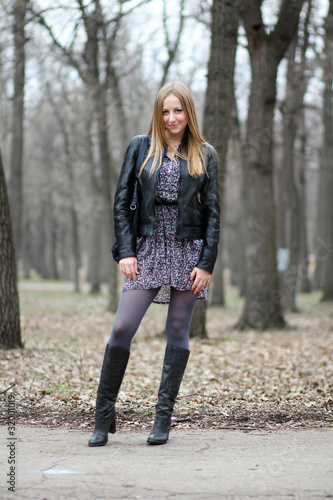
211 207
121 210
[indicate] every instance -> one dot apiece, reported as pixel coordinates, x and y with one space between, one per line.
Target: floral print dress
164 260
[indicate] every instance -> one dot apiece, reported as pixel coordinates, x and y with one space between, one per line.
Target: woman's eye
179 110
165 112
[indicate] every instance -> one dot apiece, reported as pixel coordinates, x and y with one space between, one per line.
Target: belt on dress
162 202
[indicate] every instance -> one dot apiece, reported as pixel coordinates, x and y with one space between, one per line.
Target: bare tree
305 281
15 184
10 329
290 194
326 173
263 302
219 103
95 66
233 210
217 118
69 165
171 45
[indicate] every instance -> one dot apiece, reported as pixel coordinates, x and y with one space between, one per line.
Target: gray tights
132 307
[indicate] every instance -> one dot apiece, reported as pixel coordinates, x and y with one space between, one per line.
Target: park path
195 464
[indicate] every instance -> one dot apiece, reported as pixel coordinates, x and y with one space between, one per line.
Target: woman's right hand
129 267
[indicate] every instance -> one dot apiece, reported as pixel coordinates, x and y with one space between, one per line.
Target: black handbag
135 197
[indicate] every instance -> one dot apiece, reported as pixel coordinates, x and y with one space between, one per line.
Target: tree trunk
262 307
95 216
198 325
95 237
326 160
27 247
105 160
72 190
15 184
289 277
120 108
49 228
40 244
281 199
305 284
218 106
10 329
217 286
292 107
76 246
66 251
235 225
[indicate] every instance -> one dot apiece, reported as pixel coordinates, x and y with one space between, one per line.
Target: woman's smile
174 117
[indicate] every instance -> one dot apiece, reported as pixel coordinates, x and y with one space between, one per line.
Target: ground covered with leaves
242 380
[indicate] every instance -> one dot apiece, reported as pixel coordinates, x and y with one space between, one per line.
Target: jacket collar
182 165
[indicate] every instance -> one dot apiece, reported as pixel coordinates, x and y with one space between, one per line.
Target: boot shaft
175 361
174 365
113 370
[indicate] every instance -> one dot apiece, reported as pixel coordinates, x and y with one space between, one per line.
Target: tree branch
129 11
83 13
165 27
250 11
68 54
285 27
172 50
8 388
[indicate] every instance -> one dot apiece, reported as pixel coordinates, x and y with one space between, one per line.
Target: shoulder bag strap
139 161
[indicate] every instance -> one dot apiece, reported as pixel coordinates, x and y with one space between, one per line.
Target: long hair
193 142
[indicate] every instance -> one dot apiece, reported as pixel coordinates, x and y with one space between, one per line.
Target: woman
173 257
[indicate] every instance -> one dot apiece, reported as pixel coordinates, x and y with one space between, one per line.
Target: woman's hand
129 266
200 278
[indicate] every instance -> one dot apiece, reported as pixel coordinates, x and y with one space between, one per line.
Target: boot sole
156 442
93 445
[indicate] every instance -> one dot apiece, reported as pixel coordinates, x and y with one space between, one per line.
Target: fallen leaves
245 380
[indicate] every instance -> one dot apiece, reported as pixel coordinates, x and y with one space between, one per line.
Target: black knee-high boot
113 370
175 361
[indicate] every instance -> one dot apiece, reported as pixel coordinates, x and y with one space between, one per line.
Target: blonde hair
193 142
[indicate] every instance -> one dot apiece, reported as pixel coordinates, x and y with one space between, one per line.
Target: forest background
77 81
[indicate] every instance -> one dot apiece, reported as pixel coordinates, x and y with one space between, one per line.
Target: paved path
195 465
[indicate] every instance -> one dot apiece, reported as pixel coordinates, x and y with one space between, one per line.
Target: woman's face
174 118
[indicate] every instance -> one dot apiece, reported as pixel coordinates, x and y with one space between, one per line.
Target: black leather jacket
198 205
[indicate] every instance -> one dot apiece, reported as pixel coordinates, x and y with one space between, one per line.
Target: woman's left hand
200 278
